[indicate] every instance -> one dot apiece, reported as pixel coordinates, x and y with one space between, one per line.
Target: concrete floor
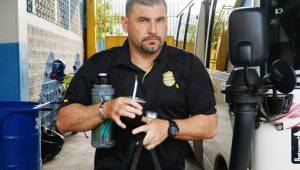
77 154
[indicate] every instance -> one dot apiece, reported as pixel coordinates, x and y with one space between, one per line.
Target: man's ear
124 22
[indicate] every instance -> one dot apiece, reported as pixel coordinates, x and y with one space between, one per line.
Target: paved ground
77 154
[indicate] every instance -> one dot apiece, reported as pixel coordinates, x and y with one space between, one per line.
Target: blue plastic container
20 136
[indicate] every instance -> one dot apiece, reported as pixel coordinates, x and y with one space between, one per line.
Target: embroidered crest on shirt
168 78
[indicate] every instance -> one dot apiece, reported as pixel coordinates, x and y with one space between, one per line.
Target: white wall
9 21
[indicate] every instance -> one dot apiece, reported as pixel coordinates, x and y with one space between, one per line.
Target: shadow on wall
50 92
53 90
77 63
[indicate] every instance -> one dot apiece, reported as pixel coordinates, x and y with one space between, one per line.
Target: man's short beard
151 49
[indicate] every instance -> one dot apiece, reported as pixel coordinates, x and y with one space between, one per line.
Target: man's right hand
121 106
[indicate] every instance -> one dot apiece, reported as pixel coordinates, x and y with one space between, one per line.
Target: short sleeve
200 93
79 90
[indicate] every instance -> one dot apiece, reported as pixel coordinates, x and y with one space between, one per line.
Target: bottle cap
102 74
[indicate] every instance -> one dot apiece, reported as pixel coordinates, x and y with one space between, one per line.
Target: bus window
284 31
187 27
178 30
181 31
200 42
192 27
183 26
217 53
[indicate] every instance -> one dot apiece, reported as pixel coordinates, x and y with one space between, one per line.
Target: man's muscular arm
194 128
77 117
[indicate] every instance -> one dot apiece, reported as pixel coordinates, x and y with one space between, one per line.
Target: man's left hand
156 132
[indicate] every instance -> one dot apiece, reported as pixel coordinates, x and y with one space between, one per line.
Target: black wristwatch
173 129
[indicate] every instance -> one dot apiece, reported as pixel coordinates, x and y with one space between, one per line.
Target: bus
202 29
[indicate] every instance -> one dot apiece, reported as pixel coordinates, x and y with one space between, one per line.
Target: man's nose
152 27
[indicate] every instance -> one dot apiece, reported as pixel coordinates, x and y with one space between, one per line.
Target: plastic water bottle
102 135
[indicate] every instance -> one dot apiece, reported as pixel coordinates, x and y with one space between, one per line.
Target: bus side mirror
248 42
282 76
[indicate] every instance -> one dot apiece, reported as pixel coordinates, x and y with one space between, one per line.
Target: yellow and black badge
168 78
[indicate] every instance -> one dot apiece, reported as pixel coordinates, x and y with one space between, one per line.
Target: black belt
134 152
136 156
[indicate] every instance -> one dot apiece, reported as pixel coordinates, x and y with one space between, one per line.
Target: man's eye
161 20
142 20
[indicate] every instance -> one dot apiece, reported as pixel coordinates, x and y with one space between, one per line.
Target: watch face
173 130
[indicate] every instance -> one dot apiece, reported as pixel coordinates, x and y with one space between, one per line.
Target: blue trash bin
20 136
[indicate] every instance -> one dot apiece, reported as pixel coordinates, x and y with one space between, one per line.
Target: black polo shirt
177 87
